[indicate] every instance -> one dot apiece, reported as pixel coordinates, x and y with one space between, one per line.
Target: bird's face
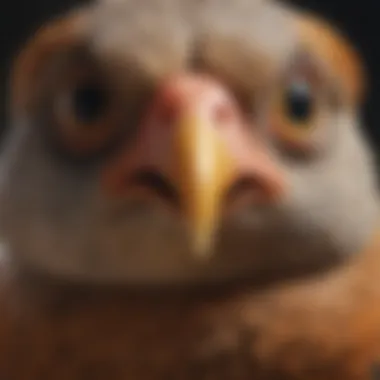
183 142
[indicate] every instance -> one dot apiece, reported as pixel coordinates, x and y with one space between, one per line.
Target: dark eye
299 102
87 116
294 114
89 102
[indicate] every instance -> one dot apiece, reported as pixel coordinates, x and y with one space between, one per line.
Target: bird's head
184 142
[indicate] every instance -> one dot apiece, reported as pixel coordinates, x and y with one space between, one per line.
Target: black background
358 19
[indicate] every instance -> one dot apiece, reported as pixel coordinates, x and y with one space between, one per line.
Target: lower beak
203 171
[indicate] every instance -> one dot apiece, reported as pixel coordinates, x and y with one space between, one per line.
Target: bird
187 192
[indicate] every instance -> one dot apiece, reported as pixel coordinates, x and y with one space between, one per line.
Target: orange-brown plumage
329 44
30 64
324 329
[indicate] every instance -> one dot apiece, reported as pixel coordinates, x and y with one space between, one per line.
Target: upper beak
204 169
194 140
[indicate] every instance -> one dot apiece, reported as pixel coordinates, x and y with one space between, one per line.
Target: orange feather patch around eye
342 60
30 64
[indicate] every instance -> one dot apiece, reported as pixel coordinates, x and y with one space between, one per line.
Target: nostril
249 186
154 181
240 187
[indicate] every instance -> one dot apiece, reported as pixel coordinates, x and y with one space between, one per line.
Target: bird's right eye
89 102
86 115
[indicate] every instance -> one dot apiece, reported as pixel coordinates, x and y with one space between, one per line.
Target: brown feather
342 58
29 66
326 328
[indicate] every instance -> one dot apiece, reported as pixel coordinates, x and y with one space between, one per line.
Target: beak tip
203 246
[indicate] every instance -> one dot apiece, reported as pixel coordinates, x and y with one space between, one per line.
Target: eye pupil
299 102
89 102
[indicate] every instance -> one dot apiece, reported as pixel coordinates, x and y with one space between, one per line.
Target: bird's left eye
293 112
298 103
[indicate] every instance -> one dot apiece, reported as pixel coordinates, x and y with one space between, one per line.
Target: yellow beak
204 170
